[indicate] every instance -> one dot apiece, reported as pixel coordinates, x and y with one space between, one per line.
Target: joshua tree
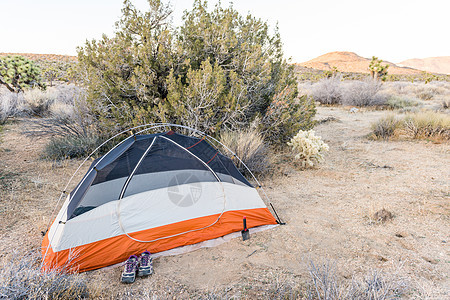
18 73
377 70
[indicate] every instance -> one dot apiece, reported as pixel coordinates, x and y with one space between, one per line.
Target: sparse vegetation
426 92
37 102
356 93
421 125
21 278
426 125
12 105
326 285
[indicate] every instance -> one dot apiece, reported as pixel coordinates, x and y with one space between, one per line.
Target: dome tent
151 192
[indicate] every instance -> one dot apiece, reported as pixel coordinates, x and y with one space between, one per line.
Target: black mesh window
166 164
109 181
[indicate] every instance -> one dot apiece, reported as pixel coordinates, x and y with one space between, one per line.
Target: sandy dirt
329 214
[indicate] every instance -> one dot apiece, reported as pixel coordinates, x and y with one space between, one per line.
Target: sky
393 30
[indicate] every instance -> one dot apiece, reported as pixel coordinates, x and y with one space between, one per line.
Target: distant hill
351 62
46 57
440 64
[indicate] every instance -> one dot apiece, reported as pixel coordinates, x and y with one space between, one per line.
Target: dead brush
325 284
363 93
12 105
21 278
328 90
427 91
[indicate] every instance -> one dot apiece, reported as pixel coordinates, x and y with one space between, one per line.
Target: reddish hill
47 57
351 62
440 64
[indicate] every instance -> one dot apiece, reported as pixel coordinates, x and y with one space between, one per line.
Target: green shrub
250 147
396 102
71 146
218 71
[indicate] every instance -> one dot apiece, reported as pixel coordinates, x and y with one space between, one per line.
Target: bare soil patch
329 213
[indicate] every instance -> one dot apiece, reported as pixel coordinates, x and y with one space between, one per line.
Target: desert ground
329 211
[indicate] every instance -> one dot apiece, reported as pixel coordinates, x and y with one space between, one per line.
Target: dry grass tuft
427 125
21 278
421 125
375 285
250 147
12 105
385 127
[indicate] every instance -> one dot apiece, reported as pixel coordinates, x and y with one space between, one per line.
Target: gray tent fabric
145 162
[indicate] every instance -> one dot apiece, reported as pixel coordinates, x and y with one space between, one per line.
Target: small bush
39 101
249 146
363 93
385 127
328 90
325 284
427 91
400 87
308 148
396 102
21 278
422 125
427 125
71 146
12 105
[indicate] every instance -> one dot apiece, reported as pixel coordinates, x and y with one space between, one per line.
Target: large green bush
219 70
